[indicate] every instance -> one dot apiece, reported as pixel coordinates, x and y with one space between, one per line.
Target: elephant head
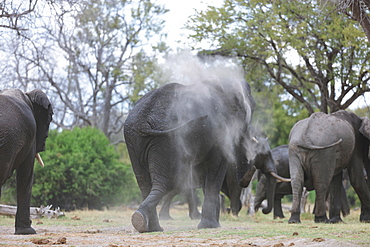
43 113
365 131
264 162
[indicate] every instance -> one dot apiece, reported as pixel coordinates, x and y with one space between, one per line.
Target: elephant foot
165 217
208 224
335 220
321 219
279 217
24 231
365 218
139 222
195 216
294 219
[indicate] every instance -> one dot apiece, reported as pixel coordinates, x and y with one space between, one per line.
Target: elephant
230 187
177 130
320 148
24 124
191 199
280 156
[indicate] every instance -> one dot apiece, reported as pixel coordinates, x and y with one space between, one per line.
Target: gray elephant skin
230 187
25 119
191 199
263 160
320 148
280 156
178 130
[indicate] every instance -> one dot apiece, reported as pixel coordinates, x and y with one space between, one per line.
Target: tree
82 171
320 59
357 10
13 14
84 54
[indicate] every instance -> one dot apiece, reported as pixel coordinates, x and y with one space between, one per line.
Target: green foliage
275 114
313 53
363 112
82 170
8 192
354 201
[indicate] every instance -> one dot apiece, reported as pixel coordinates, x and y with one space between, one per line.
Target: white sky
177 16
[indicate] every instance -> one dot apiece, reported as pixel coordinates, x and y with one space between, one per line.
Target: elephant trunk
247 177
270 192
38 157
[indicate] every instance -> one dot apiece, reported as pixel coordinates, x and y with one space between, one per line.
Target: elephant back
150 113
321 130
16 113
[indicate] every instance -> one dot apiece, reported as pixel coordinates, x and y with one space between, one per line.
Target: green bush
82 170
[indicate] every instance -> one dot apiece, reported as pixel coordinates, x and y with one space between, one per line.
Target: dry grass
113 228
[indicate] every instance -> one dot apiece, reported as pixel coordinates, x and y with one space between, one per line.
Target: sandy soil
118 231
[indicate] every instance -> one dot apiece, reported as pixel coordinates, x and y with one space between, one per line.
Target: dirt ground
91 228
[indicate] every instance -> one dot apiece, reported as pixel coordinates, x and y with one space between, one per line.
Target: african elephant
176 130
191 199
280 156
24 124
230 187
320 148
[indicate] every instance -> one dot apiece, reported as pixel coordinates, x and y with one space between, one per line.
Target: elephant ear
365 130
39 98
365 127
43 113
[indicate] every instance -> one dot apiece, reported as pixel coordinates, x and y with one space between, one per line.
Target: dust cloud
215 89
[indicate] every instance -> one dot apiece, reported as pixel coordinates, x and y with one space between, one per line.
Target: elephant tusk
280 178
38 157
254 139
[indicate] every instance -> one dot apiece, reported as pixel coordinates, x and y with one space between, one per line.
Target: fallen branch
35 212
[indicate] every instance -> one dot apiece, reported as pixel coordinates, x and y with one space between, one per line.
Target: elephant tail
154 132
314 147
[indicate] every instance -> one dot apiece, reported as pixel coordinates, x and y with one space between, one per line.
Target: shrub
82 170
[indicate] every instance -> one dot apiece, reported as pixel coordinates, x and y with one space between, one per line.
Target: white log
35 212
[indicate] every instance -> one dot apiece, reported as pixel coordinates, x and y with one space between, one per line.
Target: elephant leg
145 219
153 187
164 213
297 176
323 165
212 187
260 193
278 211
335 192
191 197
235 203
24 190
356 175
344 203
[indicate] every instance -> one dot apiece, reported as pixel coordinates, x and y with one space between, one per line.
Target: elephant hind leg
359 184
297 175
164 213
145 219
335 193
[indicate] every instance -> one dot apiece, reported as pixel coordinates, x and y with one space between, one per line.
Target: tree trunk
36 213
